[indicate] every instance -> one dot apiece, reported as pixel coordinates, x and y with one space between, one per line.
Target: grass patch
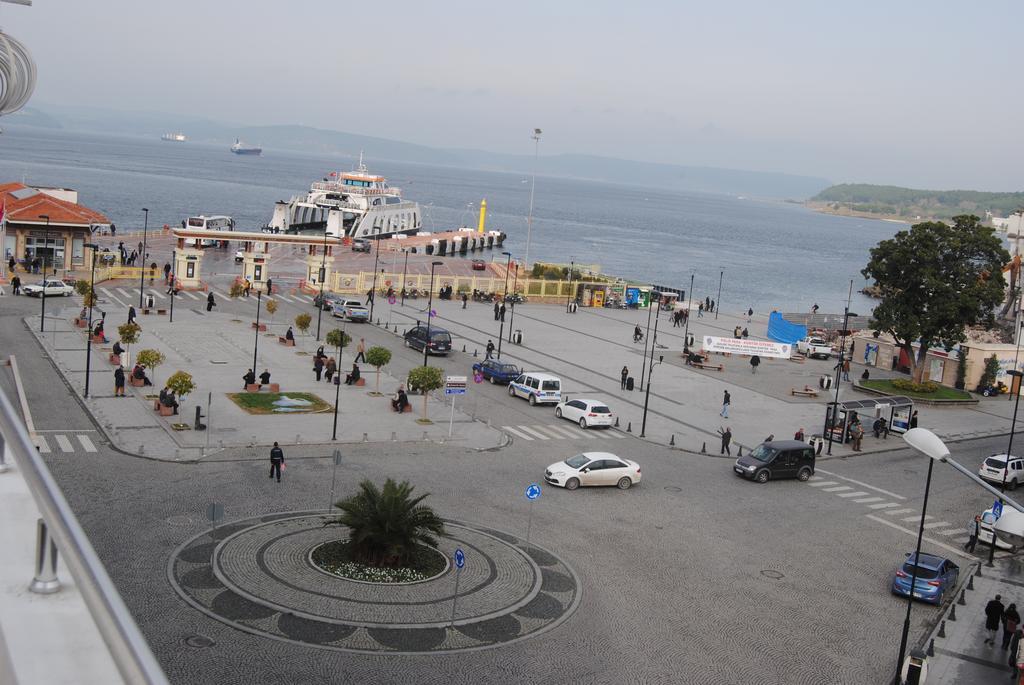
279 402
942 393
334 558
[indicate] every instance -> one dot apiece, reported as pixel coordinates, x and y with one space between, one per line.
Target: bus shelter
895 409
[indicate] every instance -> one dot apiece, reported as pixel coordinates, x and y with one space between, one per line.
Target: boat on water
174 137
241 148
348 204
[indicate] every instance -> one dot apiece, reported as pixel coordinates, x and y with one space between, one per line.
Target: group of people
708 305
1008 618
446 291
326 367
250 378
400 400
680 318
499 311
127 258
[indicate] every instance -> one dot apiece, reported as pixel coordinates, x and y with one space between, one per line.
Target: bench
163 410
261 327
807 391
256 387
81 323
360 382
707 366
136 382
149 310
407 409
99 340
115 359
285 341
799 359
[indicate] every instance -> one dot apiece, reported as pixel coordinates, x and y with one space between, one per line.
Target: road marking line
895 512
936 524
65 444
157 295
917 518
513 431
837 489
957 551
863 485
566 432
852 494
868 499
41 444
612 433
549 432
884 505
190 294
125 293
114 297
533 432
951 531
822 483
284 297
86 443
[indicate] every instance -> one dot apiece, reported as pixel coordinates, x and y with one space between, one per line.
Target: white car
585 412
994 468
239 257
814 347
988 521
593 468
50 288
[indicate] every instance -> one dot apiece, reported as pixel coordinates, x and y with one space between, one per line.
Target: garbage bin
825 382
149 301
572 307
517 337
629 383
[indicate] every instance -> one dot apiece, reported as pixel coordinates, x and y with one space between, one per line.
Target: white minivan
537 387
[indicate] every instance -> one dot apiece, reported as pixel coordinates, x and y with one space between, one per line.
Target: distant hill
306 139
913 205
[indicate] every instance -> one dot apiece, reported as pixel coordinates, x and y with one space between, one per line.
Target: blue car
935 575
496 371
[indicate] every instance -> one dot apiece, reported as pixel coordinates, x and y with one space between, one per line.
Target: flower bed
333 558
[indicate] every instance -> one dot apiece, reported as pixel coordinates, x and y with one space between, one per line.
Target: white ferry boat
353 204
174 137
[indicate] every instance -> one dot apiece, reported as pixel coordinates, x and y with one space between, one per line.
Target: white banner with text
747 346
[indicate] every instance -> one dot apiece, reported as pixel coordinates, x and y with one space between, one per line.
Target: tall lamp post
501 332
337 388
647 339
404 268
1016 373
568 295
430 310
839 368
512 309
533 184
142 274
320 277
42 295
255 344
376 256
718 302
689 310
92 297
650 368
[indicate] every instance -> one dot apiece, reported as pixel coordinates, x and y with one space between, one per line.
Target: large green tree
935 280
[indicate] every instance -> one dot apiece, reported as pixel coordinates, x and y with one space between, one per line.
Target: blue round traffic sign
532 491
460 558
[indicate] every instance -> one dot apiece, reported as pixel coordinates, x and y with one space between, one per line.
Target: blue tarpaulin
784 331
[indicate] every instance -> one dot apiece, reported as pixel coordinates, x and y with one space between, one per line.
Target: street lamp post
512 309
647 339
1016 373
320 277
689 310
718 302
42 295
92 297
256 344
430 310
501 332
337 387
533 184
650 368
404 268
568 295
142 272
839 368
376 256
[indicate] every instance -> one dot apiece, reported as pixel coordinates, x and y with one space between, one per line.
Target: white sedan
593 468
585 412
50 288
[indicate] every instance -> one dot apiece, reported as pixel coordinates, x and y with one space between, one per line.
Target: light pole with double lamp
337 386
1016 373
512 308
320 277
92 300
689 310
430 310
376 256
42 294
647 338
839 368
504 296
655 302
568 295
718 302
405 267
533 185
142 271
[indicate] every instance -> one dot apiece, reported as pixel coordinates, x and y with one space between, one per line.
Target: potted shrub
302 322
271 307
237 290
377 357
182 384
129 334
151 359
338 338
425 379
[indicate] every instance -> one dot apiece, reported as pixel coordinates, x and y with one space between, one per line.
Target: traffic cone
931 647
942 630
970 583
629 427
952 612
672 440
616 421
962 601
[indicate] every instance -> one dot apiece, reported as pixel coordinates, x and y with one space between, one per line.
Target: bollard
963 600
142 449
616 421
396 328
378 320
474 351
672 440
425 438
463 348
298 438
978 572
394 438
45 581
629 427
952 612
931 647
942 630
741 451
970 583
365 438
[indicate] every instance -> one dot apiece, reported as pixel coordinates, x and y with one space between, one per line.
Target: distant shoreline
825 208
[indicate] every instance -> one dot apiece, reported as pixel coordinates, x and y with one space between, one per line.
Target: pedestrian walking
501 312
119 381
16 285
750 314
246 288
726 440
331 368
972 531
726 400
497 311
755 362
490 349
707 303
360 352
369 296
318 367
913 419
799 435
170 285
465 299
131 314
1014 656
993 616
167 272
210 303
700 310
276 461
270 286
846 370
711 307
1011 619
625 375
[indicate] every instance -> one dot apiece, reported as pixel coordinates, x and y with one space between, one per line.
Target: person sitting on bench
167 399
351 378
400 401
249 378
98 331
139 374
695 358
289 335
880 428
118 350
265 377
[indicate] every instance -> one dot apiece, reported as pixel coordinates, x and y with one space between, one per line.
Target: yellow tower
483 215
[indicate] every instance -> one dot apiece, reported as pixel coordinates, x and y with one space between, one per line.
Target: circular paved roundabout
256 575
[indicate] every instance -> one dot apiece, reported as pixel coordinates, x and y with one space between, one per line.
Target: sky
923 93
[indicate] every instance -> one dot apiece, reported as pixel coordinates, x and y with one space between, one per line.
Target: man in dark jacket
249 378
210 302
265 377
993 617
726 440
276 461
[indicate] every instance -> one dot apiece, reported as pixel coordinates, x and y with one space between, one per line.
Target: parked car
328 301
496 371
537 388
239 257
585 412
593 468
440 341
935 575
479 265
51 287
985 526
353 310
994 468
814 348
360 245
777 459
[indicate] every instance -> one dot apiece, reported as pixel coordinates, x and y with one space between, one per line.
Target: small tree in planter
425 379
338 338
302 322
236 291
151 359
129 333
83 288
182 384
378 357
271 306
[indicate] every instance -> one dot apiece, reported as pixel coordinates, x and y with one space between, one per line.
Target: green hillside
908 203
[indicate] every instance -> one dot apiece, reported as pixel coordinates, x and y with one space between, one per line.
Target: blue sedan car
935 576
496 371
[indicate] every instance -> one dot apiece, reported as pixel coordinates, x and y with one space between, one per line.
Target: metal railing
361 282
60 530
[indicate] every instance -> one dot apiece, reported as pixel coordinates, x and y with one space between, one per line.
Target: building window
50 251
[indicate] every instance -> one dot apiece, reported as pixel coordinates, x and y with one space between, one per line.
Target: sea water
774 255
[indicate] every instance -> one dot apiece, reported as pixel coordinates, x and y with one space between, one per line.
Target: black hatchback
777 459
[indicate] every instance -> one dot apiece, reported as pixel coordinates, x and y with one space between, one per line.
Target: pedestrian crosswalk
61 442
561 432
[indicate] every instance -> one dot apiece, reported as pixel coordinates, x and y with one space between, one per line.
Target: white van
537 387
210 223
